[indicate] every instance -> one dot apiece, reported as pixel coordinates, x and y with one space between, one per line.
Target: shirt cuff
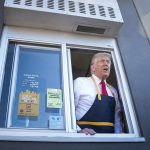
78 128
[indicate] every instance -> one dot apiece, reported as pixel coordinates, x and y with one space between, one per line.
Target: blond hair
100 55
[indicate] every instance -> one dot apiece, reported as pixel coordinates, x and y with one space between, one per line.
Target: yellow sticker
28 103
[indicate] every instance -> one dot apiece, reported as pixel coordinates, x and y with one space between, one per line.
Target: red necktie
104 92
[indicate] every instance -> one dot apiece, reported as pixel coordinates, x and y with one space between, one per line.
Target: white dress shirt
85 93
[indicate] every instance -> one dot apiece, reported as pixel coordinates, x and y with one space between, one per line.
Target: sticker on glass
54 98
56 122
28 103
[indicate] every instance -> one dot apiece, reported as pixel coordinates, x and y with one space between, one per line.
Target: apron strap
98 90
95 123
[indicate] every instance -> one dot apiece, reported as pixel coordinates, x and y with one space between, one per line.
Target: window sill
44 136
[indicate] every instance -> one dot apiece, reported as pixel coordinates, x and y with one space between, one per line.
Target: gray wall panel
143 8
135 52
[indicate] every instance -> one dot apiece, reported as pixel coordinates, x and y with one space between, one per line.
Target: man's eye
108 62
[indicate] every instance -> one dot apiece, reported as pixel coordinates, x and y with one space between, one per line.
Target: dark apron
100 116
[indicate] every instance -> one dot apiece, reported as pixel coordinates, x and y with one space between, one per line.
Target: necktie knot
104 91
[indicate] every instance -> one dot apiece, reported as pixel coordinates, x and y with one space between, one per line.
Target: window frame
14 78
122 85
11 33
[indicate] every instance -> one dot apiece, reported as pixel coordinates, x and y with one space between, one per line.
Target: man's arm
118 123
77 94
77 90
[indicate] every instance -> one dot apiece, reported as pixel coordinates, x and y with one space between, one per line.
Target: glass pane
38 96
6 84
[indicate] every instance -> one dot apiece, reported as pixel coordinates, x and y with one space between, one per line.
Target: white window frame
14 78
122 85
77 41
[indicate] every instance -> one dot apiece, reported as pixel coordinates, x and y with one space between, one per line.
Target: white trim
49 37
36 135
72 105
3 55
66 89
41 47
12 87
124 91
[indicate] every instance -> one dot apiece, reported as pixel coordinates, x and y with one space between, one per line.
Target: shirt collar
97 80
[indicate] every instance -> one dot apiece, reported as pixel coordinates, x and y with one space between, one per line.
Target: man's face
101 67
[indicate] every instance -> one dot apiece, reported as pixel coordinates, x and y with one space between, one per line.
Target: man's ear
92 68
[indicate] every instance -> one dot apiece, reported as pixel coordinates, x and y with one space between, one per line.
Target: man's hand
87 131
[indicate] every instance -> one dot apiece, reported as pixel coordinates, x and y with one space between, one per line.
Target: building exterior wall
134 49
143 10
1 15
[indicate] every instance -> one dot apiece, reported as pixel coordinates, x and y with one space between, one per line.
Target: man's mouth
105 69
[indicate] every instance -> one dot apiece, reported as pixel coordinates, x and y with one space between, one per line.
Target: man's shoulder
113 90
112 87
82 79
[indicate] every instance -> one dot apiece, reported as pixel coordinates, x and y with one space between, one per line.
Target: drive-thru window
40 59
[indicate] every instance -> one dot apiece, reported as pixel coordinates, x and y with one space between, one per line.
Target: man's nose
106 63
